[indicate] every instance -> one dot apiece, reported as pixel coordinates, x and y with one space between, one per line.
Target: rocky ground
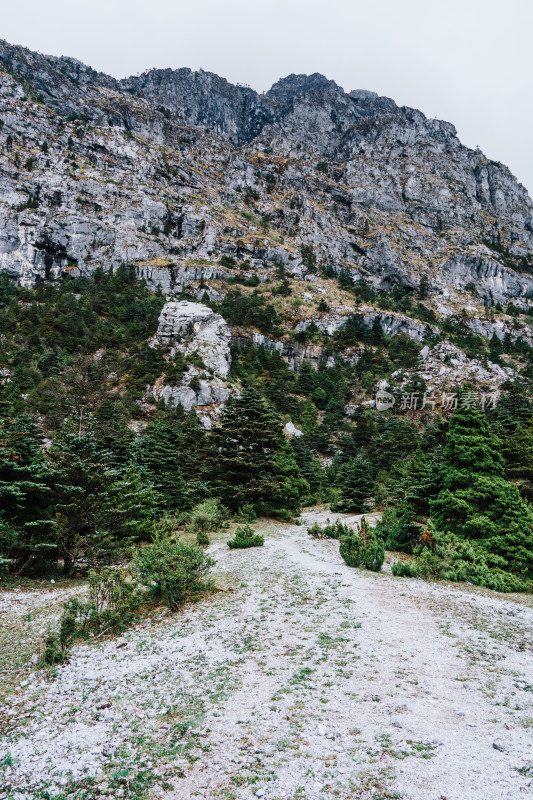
298 678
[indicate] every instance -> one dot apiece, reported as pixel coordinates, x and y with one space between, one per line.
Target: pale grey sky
466 61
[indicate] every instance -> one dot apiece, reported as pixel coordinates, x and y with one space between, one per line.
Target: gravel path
301 679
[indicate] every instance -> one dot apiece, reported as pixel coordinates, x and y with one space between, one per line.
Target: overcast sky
466 61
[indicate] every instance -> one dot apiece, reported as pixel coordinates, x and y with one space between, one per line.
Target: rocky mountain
200 184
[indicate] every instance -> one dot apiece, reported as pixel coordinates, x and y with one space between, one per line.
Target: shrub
316 531
245 536
202 539
443 556
336 530
51 651
172 570
281 513
114 599
246 513
399 530
333 530
113 604
363 548
209 515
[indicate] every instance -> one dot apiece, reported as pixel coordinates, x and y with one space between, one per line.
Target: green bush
363 547
281 513
246 513
245 536
112 606
333 530
202 539
316 531
114 599
443 556
399 530
336 530
172 570
51 651
209 515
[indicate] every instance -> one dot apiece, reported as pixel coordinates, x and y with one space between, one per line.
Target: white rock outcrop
291 430
195 328
446 365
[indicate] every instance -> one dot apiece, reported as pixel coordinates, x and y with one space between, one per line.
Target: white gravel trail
300 679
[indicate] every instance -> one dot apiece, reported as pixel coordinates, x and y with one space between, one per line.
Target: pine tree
421 483
476 502
250 463
289 485
83 480
413 486
517 450
194 447
310 469
306 378
159 453
130 507
26 522
376 335
194 457
356 483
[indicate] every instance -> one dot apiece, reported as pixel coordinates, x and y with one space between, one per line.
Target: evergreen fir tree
357 484
289 485
194 447
159 453
310 469
250 463
476 502
130 507
517 450
84 481
26 522
306 379
412 487
421 482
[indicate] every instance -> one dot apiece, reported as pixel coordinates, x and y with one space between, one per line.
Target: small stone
497 745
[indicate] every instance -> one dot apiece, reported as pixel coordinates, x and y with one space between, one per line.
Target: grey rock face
151 180
392 324
292 351
194 329
447 365
192 180
491 279
291 430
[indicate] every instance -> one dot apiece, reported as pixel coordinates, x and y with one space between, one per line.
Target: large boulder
195 328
